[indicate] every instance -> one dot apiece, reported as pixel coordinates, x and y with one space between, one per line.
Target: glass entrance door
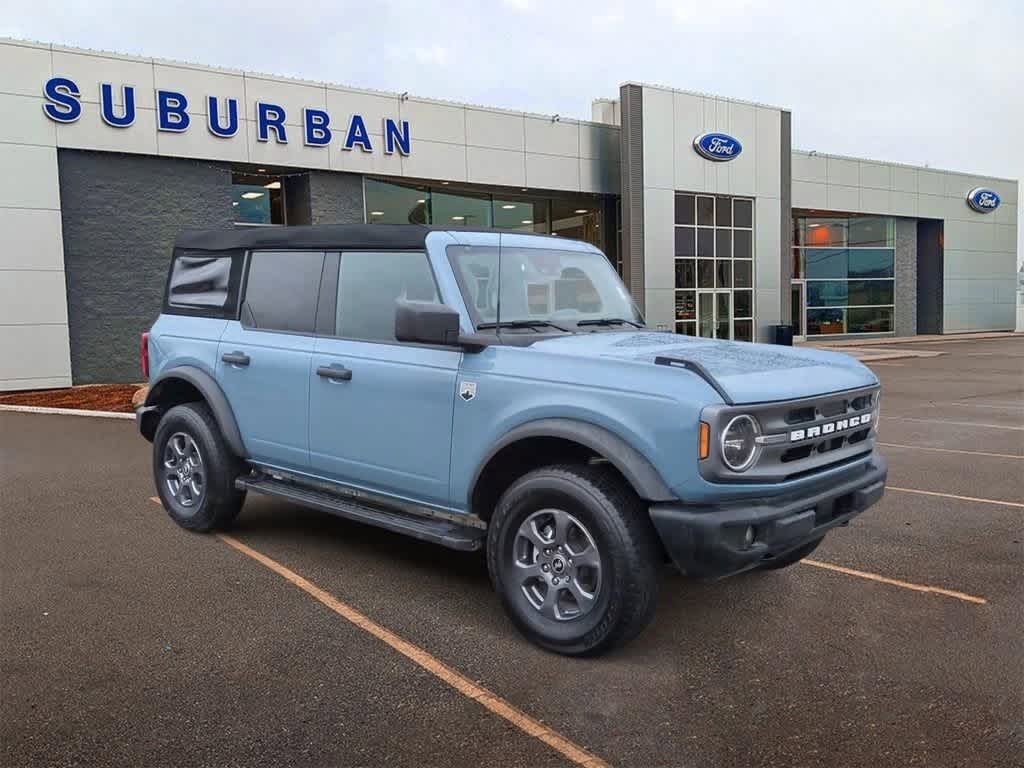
714 314
798 300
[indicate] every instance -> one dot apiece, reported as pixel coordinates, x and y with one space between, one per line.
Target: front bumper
707 541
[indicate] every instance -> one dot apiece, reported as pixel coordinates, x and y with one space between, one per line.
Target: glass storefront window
392 204
714 249
521 214
460 210
848 265
257 199
579 217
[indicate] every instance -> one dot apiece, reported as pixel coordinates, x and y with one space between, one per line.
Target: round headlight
739 446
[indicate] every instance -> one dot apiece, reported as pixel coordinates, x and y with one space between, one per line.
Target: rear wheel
574 559
194 470
788 559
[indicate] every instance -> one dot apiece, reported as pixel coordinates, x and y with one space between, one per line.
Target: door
798 300
714 314
381 410
263 359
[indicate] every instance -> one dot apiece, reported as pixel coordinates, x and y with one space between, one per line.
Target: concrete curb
66 411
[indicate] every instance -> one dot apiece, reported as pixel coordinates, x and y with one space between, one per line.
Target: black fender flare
633 465
212 394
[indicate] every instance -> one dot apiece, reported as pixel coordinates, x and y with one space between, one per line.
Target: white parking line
896 582
954 496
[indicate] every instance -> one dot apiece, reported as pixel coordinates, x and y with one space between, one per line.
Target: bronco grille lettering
829 429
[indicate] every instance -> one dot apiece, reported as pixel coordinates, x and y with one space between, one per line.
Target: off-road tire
220 501
623 535
788 559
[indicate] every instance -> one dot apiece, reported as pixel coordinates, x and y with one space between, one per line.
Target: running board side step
436 531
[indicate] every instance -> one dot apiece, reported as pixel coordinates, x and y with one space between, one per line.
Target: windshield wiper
524 324
610 321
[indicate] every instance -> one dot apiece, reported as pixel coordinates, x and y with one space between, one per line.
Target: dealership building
718 226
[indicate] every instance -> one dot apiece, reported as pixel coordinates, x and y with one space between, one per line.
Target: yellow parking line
896 582
954 496
495 704
953 450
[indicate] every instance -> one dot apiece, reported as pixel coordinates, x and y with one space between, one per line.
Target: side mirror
426 322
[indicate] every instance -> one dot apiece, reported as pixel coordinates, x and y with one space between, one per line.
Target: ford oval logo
717 146
983 200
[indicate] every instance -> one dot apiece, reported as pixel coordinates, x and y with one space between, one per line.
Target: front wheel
194 470
574 558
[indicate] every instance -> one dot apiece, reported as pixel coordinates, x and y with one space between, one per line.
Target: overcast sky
939 82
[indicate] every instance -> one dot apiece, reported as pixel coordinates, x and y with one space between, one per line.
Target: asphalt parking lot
125 640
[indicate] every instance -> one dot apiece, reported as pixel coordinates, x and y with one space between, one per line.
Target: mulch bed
96 397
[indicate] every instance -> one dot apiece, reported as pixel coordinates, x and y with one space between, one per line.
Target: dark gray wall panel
786 211
121 214
632 173
905 269
929 276
336 198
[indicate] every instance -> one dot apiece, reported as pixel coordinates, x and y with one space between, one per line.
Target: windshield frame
451 254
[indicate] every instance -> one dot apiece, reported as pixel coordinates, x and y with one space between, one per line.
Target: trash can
782 334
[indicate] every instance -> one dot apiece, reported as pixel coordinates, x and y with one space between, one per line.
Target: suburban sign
63 105
983 200
717 146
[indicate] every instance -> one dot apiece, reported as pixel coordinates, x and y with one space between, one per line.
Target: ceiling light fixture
581 210
272 185
261 170
376 213
508 206
422 200
252 195
458 218
527 221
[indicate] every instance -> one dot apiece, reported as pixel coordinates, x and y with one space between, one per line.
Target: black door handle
334 372
235 358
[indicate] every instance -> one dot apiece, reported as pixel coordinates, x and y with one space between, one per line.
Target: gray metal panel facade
632 164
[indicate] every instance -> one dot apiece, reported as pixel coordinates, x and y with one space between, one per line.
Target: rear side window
204 284
281 290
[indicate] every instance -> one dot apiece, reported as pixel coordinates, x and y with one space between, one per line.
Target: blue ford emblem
717 146
983 200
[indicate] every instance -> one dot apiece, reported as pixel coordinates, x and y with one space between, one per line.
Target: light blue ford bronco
497 391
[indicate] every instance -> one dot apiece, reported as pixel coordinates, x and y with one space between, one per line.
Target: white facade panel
32 297
292 96
659 137
496 130
90 132
358 161
495 166
198 142
295 152
374 108
30 239
25 67
552 137
24 121
552 172
434 121
436 160
35 169
659 241
875 175
89 70
34 356
200 84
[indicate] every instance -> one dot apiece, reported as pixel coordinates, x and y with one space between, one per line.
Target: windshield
541 285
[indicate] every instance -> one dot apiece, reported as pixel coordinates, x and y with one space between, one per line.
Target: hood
748 373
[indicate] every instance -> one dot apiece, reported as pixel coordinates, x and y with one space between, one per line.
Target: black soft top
326 236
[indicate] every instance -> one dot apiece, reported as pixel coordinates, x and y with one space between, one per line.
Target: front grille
799 437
